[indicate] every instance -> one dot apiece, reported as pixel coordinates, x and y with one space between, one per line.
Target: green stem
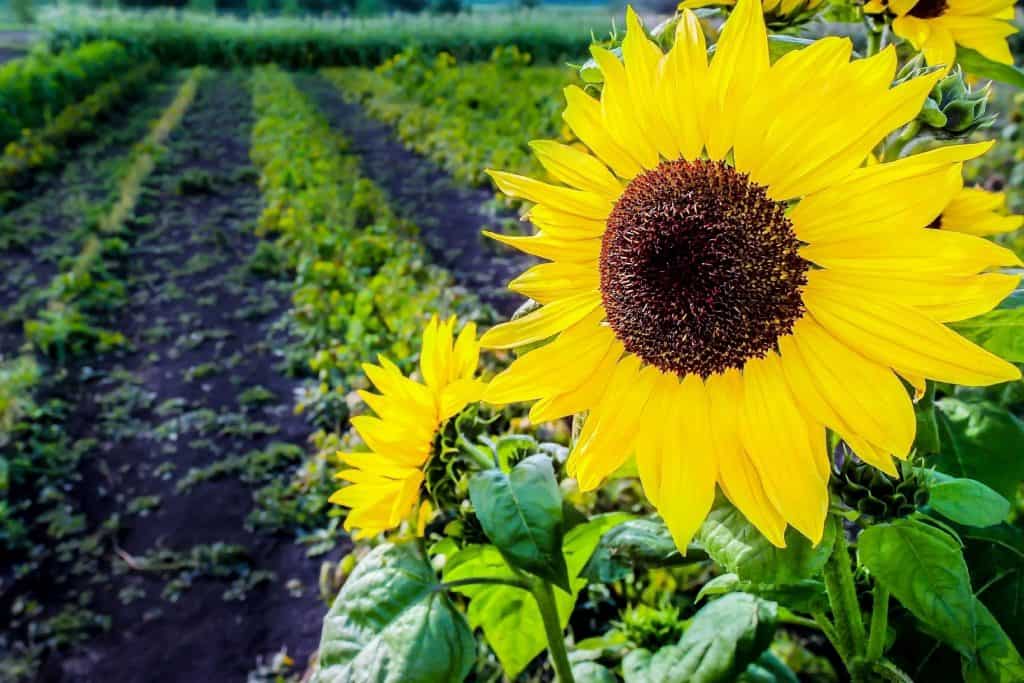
874 40
483 459
879 623
545 598
842 596
829 629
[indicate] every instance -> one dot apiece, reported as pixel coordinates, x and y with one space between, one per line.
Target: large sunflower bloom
936 27
727 278
384 484
976 211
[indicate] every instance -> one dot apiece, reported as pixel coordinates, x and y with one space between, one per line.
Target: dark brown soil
203 331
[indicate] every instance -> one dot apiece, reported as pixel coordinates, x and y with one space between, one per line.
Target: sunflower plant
786 336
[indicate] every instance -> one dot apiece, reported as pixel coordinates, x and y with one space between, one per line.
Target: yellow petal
542 323
915 190
737 475
941 297
903 339
683 86
641 58
549 281
976 211
552 248
583 115
583 397
912 251
554 368
785 446
741 60
610 431
679 467
577 168
858 398
579 202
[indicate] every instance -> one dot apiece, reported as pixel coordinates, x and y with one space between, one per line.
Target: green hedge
38 87
185 39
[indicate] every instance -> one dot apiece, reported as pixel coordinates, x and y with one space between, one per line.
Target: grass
186 38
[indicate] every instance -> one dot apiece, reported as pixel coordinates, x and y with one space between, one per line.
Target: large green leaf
737 545
995 556
803 596
965 501
1001 331
923 567
635 544
391 623
508 616
981 441
996 660
975 63
721 642
521 513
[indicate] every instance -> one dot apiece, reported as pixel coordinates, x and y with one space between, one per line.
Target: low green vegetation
36 88
461 115
185 38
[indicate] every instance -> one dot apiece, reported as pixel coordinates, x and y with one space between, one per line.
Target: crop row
363 281
184 38
35 88
466 117
64 320
41 147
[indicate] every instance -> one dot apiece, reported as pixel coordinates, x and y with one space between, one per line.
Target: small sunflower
727 278
385 483
977 211
936 27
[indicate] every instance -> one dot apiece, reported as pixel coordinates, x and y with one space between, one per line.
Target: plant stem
486 580
879 623
842 596
545 598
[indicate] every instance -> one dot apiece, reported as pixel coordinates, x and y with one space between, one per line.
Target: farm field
315 365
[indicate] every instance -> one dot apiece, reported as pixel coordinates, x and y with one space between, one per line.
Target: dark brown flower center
699 268
929 9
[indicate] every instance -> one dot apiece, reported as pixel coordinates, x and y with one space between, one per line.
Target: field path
194 591
450 216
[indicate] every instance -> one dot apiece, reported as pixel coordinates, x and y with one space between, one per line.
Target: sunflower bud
872 492
778 14
953 109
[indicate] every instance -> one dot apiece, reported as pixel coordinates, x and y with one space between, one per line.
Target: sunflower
727 278
936 27
385 483
977 211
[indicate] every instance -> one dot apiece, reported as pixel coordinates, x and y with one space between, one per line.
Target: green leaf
768 669
635 544
1000 331
803 596
995 556
997 661
592 672
723 639
981 441
391 622
979 65
779 45
924 569
509 617
965 501
737 545
521 513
